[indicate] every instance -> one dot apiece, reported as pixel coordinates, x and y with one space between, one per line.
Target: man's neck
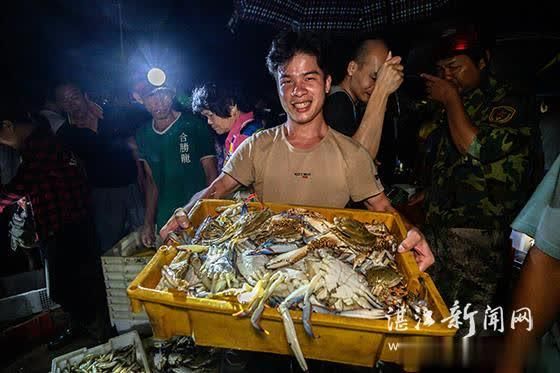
307 135
345 84
163 124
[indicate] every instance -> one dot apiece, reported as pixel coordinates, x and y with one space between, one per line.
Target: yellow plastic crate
339 339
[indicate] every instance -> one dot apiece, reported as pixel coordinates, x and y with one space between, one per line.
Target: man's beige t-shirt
331 173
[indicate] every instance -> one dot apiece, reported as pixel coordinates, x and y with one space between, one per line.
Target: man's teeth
301 105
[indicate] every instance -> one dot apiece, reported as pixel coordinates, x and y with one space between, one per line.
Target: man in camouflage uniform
480 177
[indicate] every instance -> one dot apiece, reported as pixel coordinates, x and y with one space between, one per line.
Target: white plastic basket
118 272
130 338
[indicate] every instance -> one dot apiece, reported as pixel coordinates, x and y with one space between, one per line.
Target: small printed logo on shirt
184 149
303 175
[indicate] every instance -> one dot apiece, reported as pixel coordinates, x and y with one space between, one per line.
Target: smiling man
303 161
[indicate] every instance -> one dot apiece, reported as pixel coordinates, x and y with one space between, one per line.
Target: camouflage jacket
487 186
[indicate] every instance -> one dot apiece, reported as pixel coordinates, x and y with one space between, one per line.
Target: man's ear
233 110
328 82
137 98
483 62
351 68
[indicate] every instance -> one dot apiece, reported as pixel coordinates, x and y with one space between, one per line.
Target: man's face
72 101
461 71
302 87
159 104
219 124
364 76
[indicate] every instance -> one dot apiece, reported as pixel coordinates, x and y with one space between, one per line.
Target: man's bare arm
389 79
219 188
151 198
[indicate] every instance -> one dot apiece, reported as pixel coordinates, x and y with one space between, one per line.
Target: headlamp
156 76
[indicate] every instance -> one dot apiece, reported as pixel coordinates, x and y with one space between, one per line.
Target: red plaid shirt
52 179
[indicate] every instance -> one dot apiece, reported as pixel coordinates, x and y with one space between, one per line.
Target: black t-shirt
340 113
107 156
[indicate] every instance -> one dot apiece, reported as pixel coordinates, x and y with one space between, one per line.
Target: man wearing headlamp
175 149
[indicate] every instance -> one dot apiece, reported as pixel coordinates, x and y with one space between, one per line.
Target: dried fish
117 361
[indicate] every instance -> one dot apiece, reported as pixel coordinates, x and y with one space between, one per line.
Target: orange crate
339 339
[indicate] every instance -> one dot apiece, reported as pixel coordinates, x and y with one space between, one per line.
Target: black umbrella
334 15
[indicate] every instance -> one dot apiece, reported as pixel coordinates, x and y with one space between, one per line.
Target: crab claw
251 297
256 317
288 258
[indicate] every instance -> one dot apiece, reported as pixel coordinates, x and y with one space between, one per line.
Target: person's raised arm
389 79
219 188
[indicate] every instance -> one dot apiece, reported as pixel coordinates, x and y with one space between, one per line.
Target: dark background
46 41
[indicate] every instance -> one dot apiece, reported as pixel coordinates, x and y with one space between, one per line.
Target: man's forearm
216 190
463 132
151 196
371 127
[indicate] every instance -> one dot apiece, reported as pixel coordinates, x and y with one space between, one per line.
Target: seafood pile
289 260
179 354
122 360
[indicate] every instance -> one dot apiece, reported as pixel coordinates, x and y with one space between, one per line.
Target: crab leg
289 328
255 318
253 297
271 249
307 307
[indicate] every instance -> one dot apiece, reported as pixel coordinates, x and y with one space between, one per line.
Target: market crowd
85 175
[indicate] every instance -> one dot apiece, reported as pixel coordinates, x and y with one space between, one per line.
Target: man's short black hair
289 43
219 99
